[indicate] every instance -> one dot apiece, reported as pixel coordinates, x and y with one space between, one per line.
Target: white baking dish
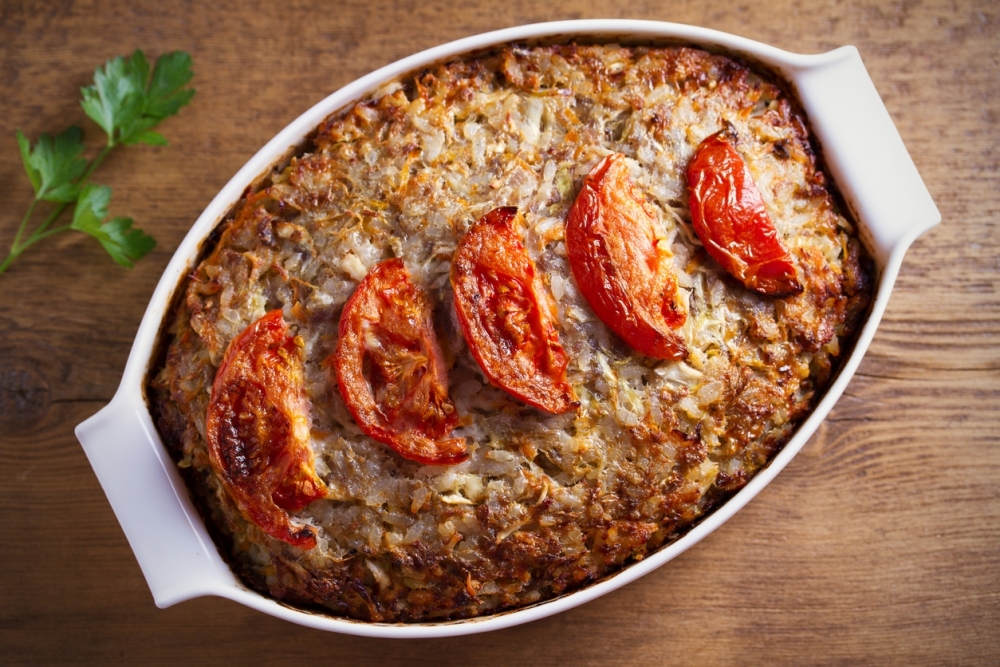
863 153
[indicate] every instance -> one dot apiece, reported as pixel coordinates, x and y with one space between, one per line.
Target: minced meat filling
545 503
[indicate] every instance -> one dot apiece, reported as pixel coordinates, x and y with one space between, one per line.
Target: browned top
877 544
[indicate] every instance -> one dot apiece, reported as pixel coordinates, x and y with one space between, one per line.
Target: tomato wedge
728 215
506 317
390 370
257 430
621 266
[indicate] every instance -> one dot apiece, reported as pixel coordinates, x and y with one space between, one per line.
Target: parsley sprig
127 102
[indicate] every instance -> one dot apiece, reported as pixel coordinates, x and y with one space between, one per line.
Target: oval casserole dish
862 153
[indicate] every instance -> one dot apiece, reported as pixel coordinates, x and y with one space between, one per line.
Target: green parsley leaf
166 94
115 100
53 164
124 243
127 103
152 139
29 169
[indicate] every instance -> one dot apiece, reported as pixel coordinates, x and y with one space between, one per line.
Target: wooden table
879 544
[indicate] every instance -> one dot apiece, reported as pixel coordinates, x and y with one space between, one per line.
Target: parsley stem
36 237
49 220
15 248
11 256
95 162
30 241
24 223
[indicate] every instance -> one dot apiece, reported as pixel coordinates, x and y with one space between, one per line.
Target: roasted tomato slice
390 370
506 316
257 430
729 217
621 266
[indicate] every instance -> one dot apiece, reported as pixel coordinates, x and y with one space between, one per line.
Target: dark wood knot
24 394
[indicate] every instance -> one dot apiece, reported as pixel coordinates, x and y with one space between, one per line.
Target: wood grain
879 544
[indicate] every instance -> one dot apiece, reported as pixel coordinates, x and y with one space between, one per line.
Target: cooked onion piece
257 430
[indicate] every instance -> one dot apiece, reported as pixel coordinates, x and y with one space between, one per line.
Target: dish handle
864 152
175 552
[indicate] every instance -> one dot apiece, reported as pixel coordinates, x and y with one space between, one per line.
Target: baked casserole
495 331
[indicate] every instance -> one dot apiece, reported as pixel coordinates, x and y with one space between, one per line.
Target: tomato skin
506 316
387 327
620 265
728 214
257 430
